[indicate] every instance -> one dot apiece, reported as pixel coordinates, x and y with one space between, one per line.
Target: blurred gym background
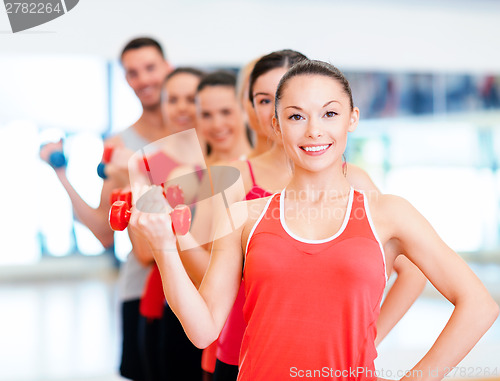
425 74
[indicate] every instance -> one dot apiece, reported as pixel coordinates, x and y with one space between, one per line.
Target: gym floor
66 328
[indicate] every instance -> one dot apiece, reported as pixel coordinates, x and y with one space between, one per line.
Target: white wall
383 34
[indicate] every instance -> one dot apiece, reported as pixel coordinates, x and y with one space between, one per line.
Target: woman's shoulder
244 214
256 206
245 168
359 178
240 165
386 204
392 214
250 210
114 140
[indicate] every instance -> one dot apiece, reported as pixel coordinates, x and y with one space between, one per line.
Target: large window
446 169
84 99
45 98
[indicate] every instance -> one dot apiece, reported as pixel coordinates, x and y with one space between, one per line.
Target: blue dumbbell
57 160
101 170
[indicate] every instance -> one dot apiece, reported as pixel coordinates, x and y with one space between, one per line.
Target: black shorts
149 345
225 372
165 350
182 360
131 365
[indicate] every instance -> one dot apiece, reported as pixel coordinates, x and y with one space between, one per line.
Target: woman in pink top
281 256
220 124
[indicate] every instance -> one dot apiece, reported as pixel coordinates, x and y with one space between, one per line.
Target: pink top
312 305
229 343
255 191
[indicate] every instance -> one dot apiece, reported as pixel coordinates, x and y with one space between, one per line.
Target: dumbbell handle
107 153
106 158
119 195
57 159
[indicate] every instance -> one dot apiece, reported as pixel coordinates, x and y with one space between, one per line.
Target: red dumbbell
119 195
119 214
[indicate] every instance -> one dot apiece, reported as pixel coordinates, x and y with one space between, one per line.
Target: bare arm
474 310
410 281
202 312
195 247
403 293
96 219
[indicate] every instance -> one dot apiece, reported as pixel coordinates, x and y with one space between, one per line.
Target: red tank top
229 342
311 306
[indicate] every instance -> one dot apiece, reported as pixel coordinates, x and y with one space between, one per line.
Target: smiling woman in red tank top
269 172
312 256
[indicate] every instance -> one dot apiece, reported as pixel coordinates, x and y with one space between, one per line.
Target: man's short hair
142 42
